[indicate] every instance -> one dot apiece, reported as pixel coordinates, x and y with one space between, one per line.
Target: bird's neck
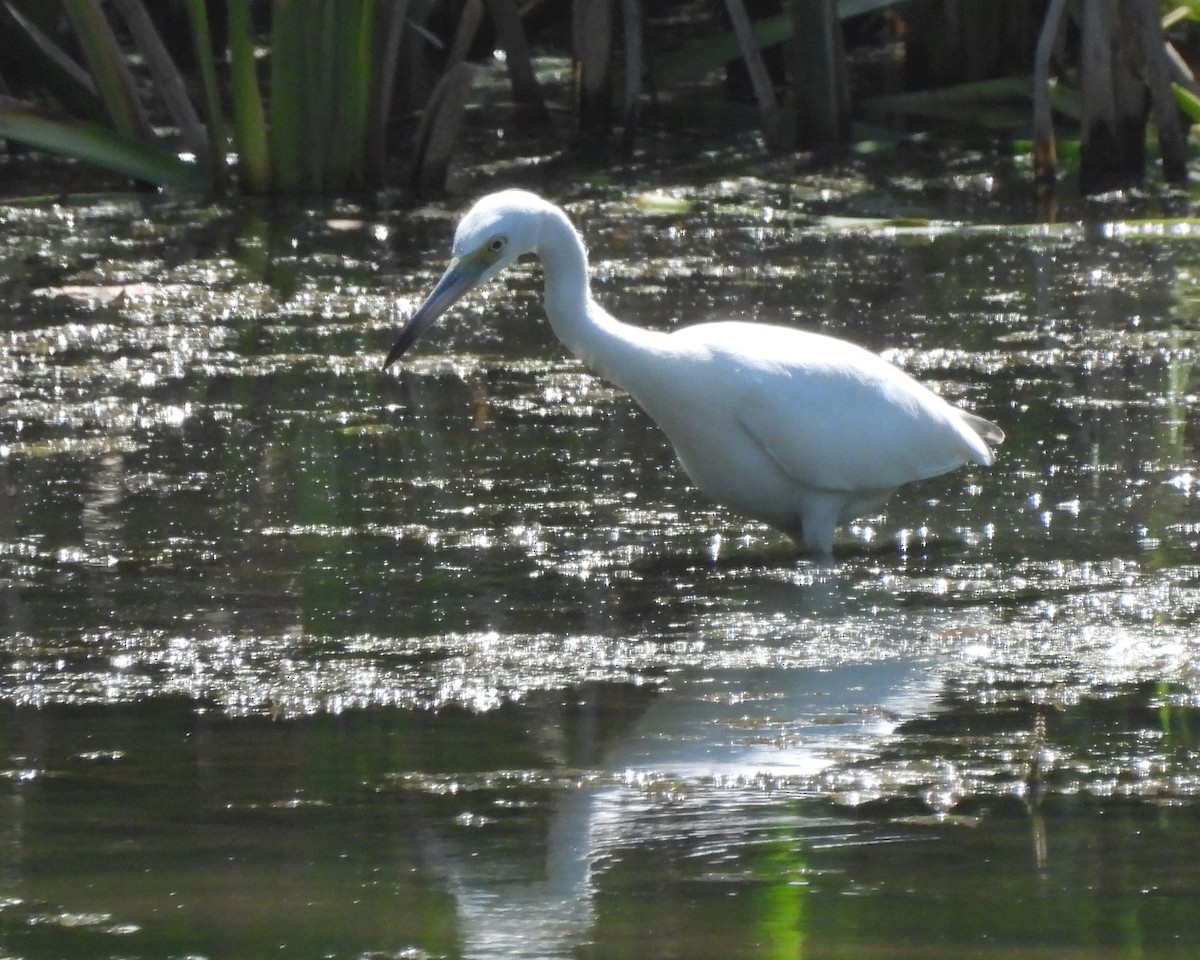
585 328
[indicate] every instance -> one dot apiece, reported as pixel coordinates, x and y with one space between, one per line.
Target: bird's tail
988 432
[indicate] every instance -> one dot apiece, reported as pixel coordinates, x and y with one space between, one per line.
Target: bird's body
799 430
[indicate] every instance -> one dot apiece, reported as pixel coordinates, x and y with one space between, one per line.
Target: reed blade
291 68
168 81
249 121
109 71
63 60
214 114
94 144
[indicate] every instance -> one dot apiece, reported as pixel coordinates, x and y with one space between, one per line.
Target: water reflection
626 817
301 659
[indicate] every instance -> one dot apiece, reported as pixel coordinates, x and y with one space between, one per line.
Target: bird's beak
460 276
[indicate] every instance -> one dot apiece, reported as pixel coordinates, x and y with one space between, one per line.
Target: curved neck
605 344
564 263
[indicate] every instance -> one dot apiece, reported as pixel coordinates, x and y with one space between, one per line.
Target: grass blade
389 31
168 80
1188 102
109 70
362 81
631 18
97 145
592 43
1156 73
350 72
511 36
291 68
464 35
322 120
817 98
60 57
218 140
760 77
439 127
1045 152
710 53
249 122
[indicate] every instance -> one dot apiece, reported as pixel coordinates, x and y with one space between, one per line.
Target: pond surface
300 659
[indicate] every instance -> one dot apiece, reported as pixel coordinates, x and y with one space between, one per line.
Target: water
300 659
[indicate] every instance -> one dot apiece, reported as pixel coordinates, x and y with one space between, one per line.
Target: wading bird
799 430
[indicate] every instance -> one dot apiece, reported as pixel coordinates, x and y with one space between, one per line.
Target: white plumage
800 430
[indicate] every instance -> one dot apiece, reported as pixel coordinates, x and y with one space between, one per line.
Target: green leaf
101 147
1188 102
1184 10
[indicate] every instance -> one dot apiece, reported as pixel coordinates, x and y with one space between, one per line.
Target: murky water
301 659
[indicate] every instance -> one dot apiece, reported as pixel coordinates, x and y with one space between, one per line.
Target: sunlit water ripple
214 493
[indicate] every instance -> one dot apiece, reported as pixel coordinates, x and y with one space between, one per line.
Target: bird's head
495 231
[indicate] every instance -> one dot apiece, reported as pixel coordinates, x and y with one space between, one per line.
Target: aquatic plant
317 95
1105 68
302 104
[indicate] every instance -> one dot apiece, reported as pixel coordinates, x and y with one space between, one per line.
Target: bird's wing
836 417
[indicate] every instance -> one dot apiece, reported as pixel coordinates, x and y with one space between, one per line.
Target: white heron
799 430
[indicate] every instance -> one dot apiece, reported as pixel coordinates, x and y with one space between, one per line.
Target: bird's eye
496 244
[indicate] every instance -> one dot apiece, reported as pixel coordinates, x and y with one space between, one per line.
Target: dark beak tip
405 340
452 286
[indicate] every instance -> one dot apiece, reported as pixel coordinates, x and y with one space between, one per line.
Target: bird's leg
817 523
